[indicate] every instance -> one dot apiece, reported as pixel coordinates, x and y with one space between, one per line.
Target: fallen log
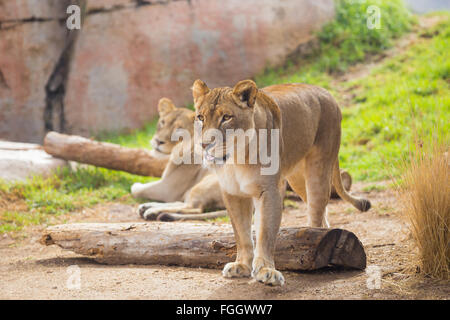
202 245
102 154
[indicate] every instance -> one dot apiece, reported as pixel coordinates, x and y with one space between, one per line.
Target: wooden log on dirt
202 245
102 154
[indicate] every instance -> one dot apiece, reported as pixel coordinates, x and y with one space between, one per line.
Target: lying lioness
185 190
309 123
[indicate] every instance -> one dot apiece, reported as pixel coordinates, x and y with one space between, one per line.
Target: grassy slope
407 97
409 89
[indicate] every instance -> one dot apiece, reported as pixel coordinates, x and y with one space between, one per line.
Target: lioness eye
200 117
226 117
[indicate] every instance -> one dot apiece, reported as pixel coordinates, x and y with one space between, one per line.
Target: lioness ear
199 89
246 91
165 106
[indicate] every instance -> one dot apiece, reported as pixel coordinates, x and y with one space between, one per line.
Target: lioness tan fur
309 120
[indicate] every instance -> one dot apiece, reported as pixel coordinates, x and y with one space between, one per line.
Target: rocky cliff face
32 35
128 54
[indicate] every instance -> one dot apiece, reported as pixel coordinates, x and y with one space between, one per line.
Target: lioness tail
359 203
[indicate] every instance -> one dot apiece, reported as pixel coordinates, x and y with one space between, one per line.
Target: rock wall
31 40
130 53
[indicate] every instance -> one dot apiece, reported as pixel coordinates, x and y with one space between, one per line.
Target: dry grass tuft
425 195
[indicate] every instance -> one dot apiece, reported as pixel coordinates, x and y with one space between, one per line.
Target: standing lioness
309 123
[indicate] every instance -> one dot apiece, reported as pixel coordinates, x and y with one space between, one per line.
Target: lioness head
223 113
171 118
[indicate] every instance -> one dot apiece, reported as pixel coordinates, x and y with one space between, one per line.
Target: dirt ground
29 270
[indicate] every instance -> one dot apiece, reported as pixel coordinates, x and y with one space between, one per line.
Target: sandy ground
29 270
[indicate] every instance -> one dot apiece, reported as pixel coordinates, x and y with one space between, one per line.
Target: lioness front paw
151 214
149 211
143 207
265 273
236 270
269 276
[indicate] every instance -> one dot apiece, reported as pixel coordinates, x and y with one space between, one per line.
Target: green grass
348 39
36 200
406 95
136 139
406 98
343 42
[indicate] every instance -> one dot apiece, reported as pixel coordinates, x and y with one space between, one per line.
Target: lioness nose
205 145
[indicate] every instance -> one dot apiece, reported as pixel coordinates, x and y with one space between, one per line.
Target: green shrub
347 39
344 41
